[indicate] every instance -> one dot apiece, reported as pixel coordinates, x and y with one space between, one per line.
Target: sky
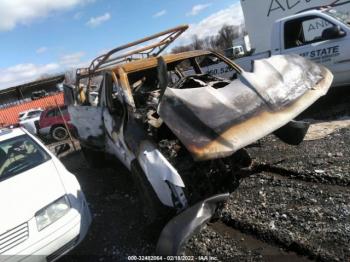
45 37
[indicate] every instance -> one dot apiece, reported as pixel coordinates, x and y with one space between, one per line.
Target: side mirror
333 33
62 148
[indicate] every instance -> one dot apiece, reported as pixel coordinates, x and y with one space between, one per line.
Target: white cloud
160 13
197 9
71 59
41 50
23 73
14 12
233 15
98 20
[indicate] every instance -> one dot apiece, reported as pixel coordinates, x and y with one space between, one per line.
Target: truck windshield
206 64
18 155
340 16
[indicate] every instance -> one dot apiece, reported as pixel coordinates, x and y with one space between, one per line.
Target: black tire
95 159
153 210
59 133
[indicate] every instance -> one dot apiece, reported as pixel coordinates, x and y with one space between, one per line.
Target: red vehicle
51 123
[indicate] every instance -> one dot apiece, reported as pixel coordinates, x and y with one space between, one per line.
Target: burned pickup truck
180 122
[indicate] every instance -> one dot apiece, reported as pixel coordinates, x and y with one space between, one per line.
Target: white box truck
321 35
260 15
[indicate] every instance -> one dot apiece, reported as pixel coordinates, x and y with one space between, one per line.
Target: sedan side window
51 113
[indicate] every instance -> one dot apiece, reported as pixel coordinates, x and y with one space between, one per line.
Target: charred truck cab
180 125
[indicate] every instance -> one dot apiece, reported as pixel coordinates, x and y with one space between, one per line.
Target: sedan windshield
20 154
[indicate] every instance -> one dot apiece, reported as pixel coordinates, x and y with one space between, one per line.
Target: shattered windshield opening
205 65
192 72
18 155
214 66
210 65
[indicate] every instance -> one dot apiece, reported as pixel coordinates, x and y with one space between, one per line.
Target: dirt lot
295 206
298 201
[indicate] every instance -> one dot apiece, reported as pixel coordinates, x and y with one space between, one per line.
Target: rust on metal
113 57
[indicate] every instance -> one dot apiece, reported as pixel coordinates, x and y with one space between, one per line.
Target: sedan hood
214 123
23 195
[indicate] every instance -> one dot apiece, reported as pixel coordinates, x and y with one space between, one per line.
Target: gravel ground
224 243
304 217
325 161
287 205
118 229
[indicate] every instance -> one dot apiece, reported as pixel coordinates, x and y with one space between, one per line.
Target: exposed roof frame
113 57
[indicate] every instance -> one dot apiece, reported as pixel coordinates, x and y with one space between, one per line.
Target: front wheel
153 210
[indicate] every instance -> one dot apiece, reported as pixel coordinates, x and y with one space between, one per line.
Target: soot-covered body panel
214 123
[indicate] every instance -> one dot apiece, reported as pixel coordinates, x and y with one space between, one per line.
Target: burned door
86 112
114 115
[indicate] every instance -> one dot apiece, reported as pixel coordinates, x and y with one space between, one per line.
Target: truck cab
322 36
234 52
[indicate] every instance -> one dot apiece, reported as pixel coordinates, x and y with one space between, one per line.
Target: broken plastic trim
181 228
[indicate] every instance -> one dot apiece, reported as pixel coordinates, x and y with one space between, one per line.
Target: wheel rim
59 133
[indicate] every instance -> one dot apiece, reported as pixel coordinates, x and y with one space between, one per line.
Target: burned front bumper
180 229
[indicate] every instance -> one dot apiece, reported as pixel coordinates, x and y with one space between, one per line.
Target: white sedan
44 213
28 118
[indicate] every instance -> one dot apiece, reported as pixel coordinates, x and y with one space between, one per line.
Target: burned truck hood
213 123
